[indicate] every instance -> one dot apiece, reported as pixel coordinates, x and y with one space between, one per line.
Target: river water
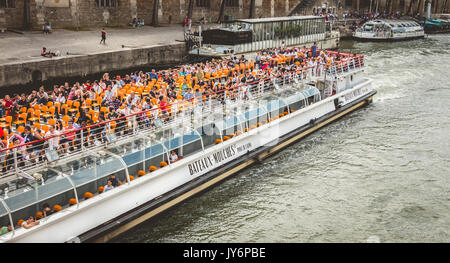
381 174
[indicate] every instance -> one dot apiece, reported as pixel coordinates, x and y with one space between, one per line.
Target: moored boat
436 26
389 30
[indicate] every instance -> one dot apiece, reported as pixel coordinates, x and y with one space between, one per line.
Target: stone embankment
82 55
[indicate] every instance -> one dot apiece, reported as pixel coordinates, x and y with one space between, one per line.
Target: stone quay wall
20 73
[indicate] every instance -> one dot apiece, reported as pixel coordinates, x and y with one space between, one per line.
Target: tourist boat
251 35
214 138
389 30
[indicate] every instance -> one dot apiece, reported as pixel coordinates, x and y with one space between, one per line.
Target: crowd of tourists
57 120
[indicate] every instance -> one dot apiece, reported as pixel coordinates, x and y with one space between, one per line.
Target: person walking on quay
103 36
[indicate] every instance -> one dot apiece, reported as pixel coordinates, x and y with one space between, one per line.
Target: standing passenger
103 36
314 50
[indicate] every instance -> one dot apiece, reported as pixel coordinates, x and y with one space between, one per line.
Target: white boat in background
216 137
389 30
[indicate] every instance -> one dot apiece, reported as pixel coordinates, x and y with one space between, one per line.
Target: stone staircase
2 20
302 7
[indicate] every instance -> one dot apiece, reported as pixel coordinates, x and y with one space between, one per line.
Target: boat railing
348 65
23 157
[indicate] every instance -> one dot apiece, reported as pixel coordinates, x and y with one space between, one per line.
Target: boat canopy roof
393 23
265 105
277 19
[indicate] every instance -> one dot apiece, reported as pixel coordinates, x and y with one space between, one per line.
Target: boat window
154 150
53 186
228 123
209 133
90 168
22 196
128 147
4 218
24 193
154 154
254 113
191 144
275 105
295 99
368 28
173 143
161 134
310 92
3 210
296 102
190 137
259 115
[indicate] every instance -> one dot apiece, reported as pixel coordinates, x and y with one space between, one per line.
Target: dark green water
379 174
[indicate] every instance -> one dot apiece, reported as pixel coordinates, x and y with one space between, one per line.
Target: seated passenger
108 186
3 154
173 157
53 142
47 210
69 136
31 222
17 141
49 54
114 180
5 230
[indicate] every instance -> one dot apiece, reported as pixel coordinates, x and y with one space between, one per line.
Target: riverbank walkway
25 47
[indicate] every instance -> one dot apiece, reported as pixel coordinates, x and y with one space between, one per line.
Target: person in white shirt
173 157
108 186
146 104
91 94
30 223
97 89
155 112
132 99
125 111
53 143
108 94
115 89
61 98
